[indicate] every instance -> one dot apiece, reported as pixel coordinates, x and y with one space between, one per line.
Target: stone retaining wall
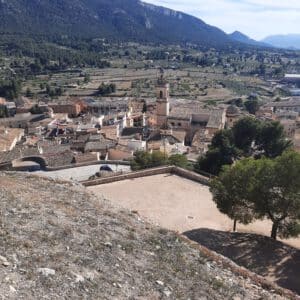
150 172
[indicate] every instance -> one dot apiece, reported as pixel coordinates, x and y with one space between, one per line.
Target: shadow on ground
274 260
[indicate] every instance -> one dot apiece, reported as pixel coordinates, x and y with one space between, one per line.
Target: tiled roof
99 146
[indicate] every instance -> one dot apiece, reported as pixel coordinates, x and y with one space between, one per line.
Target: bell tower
162 100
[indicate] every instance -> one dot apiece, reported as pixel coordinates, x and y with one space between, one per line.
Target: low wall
190 175
150 172
97 162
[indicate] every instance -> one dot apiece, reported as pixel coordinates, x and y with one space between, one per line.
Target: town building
293 104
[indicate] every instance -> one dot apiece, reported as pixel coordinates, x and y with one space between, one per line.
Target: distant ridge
289 41
240 37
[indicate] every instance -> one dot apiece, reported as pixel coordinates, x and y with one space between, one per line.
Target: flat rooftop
175 203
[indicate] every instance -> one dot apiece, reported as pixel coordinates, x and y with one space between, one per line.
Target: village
84 130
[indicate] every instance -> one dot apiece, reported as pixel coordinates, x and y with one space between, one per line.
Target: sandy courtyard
175 203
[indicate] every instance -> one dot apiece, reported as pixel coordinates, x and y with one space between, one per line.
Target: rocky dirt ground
57 241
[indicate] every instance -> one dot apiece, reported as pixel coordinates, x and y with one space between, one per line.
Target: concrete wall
151 172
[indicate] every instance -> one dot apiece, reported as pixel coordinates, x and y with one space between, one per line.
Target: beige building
192 118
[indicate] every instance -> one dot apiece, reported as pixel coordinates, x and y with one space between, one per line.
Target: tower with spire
162 100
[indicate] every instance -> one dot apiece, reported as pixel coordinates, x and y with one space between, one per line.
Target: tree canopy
263 188
145 160
248 137
106 89
10 89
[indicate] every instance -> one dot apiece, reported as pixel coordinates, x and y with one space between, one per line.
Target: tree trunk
274 230
234 225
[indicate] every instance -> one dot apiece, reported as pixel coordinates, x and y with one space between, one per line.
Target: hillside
57 242
127 20
289 41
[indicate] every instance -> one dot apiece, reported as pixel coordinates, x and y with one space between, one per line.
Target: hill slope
115 19
58 241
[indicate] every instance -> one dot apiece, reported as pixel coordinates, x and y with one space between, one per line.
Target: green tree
245 132
276 193
87 78
158 159
3 111
29 93
10 89
271 139
144 160
36 110
231 192
212 162
221 152
106 89
252 106
263 188
178 160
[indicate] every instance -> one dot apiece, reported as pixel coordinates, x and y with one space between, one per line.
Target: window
179 124
161 94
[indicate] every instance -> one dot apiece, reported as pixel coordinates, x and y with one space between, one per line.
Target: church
185 120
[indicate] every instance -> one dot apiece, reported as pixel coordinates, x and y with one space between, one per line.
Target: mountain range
240 37
289 41
122 20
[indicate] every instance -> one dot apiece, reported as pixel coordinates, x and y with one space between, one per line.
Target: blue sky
256 18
